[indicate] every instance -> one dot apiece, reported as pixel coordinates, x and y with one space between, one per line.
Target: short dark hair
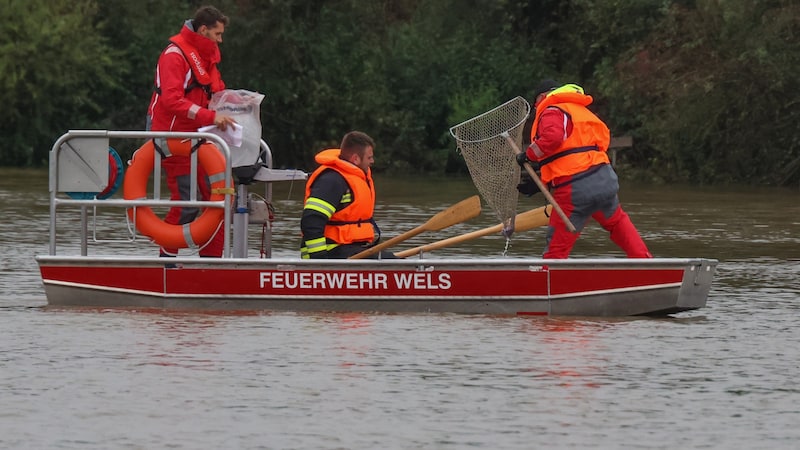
355 143
545 86
208 16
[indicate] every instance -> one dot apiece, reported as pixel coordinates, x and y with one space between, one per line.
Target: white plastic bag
245 108
232 134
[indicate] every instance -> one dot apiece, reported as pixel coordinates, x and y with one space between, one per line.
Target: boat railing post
52 186
240 222
193 176
226 251
54 182
84 230
268 196
227 202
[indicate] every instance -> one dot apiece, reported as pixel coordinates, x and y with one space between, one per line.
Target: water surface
720 377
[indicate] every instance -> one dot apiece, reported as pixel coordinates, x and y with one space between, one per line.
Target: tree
717 84
53 67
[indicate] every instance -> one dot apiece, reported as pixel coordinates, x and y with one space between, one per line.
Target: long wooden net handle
542 187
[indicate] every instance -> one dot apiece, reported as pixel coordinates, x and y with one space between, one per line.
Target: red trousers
593 195
178 172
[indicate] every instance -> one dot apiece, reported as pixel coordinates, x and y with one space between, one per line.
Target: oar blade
460 212
525 221
534 218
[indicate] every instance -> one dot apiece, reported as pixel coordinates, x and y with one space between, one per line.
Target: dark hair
355 143
208 16
545 86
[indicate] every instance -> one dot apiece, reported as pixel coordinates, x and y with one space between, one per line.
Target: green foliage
718 88
54 71
346 65
139 37
705 87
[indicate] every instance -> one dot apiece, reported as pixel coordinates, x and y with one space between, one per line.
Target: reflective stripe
162 146
193 111
304 251
316 245
347 197
213 178
538 152
187 236
321 206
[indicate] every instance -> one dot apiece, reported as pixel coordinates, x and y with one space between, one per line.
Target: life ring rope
188 235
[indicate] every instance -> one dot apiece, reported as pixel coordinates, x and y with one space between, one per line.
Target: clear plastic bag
245 108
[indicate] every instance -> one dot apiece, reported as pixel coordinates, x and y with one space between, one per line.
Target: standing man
339 202
186 76
569 144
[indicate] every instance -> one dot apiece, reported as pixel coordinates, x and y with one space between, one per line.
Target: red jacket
183 90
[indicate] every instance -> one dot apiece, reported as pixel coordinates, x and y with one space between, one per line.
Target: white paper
232 134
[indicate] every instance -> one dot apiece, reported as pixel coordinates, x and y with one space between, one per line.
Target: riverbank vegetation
708 89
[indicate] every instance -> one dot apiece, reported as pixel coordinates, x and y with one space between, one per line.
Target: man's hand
222 121
522 158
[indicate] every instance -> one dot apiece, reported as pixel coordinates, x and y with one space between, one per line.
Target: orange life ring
189 235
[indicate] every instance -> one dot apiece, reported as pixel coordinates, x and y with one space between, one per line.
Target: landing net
490 158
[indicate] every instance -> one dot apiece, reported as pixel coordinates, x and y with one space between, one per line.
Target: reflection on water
720 377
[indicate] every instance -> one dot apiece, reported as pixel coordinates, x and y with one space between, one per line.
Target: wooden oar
541 185
528 220
460 212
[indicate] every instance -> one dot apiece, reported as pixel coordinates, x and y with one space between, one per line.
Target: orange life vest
353 223
584 148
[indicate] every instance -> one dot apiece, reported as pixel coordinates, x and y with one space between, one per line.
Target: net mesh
490 157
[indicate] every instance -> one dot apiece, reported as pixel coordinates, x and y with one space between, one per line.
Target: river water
722 377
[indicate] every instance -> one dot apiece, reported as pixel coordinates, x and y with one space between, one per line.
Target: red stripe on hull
146 279
575 281
360 283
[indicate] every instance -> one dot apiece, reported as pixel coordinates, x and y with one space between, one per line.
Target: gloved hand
527 186
522 158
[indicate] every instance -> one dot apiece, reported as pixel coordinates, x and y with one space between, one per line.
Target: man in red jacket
569 145
185 78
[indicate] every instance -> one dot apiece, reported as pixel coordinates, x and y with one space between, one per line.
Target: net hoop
527 107
486 142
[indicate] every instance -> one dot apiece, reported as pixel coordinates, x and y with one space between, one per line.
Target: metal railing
103 137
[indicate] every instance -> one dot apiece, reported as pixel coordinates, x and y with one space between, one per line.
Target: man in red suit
186 77
568 145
